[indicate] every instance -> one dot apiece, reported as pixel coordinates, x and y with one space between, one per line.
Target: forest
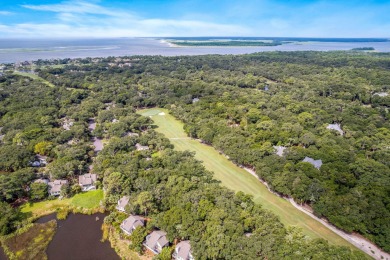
243 106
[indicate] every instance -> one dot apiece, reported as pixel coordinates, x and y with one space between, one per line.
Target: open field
45 207
86 200
237 179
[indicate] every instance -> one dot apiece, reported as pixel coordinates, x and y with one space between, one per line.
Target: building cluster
157 239
86 182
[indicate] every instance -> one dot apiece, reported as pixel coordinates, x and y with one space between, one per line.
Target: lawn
45 207
237 179
88 200
85 200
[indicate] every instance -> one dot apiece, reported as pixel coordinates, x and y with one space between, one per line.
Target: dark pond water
2 254
78 238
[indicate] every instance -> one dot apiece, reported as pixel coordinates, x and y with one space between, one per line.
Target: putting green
237 179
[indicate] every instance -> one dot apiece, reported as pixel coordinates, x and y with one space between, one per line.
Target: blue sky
116 18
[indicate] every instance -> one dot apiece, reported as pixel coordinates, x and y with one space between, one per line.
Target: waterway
16 50
78 237
2 254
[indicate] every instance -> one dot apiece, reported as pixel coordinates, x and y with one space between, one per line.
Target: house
40 161
183 251
131 223
195 100
156 240
55 187
316 163
279 150
381 94
336 127
87 181
132 134
45 181
122 202
141 147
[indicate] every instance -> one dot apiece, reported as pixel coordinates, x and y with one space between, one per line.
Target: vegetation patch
30 244
42 208
88 200
120 244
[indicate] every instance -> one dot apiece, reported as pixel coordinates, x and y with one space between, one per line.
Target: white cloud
80 7
85 19
5 13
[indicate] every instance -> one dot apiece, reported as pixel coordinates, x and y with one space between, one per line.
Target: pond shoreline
76 236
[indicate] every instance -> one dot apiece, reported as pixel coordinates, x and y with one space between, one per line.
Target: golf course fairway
237 179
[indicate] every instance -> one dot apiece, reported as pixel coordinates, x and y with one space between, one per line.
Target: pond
2 254
78 237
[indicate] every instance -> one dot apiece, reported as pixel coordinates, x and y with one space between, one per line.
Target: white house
156 241
55 187
87 181
122 202
183 251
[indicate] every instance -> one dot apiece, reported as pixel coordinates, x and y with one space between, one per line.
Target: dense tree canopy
242 105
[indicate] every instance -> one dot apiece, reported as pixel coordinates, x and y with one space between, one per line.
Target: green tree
137 238
38 191
8 218
43 148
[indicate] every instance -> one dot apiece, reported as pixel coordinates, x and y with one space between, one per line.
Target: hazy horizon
174 18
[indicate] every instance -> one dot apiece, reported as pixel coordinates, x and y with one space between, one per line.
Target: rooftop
316 163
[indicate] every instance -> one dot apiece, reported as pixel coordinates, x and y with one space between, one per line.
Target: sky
168 18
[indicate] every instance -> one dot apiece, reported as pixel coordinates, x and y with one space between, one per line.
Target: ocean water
16 50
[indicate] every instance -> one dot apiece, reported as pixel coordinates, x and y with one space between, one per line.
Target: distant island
363 49
224 43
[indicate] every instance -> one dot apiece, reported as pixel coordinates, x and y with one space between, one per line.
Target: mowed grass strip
88 200
34 77
44 207
237 179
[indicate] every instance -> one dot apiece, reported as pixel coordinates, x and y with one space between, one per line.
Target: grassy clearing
44 207
32 243
84 201
34 77
237 179
88 200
